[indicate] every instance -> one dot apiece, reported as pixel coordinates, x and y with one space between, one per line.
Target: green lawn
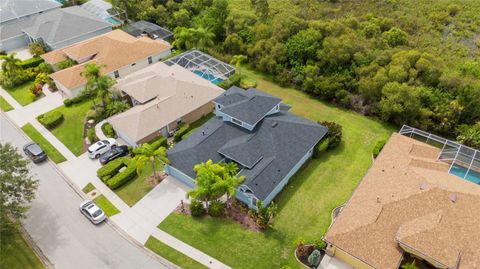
306 202
138 187
4 105
51 151
106 205
88 188
22 93
16 253
172 255
70 131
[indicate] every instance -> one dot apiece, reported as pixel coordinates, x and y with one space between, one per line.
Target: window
115 73
237 121
150 60
254 201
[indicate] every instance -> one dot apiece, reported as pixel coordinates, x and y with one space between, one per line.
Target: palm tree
209 182
183 37
146 153
97 85
203 38
237 60
10 63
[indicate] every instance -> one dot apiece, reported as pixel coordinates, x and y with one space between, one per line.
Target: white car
96 150
94 213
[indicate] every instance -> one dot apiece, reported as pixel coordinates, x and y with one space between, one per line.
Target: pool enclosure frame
452 152
195 60
104 10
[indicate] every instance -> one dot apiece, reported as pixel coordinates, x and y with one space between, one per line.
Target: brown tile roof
406 197
112 50
176 90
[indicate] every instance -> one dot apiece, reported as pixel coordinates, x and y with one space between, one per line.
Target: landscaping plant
51 119
107 129
216 209
265 215
314 258
146 153
92 135
334 134
378 147
36 48
196 208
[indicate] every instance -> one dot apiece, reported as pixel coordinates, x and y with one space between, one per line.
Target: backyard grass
138 187
172 255
305 205
16 253
21 93
4 105
70 131
38 138
106 205
88 188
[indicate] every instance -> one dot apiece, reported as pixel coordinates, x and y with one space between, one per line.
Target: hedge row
184 128
107 130
159 142
111 168
75 100
51 119
122 177
32 62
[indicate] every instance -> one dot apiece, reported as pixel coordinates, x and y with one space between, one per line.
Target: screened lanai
464 161
203 65
104 11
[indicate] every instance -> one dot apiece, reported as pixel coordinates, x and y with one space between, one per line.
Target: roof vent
453 197
203 133
423 185
274 124
378 199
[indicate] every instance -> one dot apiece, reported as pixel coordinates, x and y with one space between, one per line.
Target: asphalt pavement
66 238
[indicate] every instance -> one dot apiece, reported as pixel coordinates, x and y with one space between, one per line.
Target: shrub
184 128
66 64
92 136
196 208
107 130
111 168
334 134
44 78
44 68
159 142
51 119
36 48
378 147
32 62
216 208
320 147
122 177
36 89
75 100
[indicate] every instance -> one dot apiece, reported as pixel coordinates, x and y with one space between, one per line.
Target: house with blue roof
256 131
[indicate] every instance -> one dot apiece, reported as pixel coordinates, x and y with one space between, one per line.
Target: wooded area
406 62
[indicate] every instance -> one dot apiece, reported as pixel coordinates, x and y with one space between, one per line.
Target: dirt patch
154 180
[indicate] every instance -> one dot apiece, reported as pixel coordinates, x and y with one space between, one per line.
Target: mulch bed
154 181
302 253
236 212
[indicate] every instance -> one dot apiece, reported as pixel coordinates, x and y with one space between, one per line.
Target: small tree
237 60
36 48
146 153
17 188
97 85
265 214
10 63
314 258
334 134
210 185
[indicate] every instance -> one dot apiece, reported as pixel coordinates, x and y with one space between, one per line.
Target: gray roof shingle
249 106
140 27
266 154
15 9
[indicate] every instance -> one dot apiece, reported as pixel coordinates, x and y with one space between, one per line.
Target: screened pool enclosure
464 161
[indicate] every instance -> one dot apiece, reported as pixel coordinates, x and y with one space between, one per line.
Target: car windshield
35 149
97 213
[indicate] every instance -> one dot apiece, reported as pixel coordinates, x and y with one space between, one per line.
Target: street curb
82 195
38 252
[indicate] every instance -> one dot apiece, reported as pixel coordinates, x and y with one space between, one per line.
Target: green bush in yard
51 119
216 208
378 147
32 62
334 134
122 177
196 208
92 135
159 142
184 128
107 130
111 168
320 147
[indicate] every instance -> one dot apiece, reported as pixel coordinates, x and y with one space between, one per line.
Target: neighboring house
154 31
105 11
117 52
14 14
254 130
409 205
163 96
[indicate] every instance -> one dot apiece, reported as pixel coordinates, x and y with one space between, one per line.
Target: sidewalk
9 99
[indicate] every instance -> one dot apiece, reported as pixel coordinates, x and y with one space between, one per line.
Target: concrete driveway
63 234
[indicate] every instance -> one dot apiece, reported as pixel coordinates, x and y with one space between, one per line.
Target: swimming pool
460 171
113 21
208 77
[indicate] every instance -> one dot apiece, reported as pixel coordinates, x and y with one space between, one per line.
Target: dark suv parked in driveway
34 152
113 153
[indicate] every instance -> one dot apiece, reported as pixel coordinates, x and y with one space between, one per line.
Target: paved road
63 234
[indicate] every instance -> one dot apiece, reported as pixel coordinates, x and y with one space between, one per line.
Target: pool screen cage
451 152
197 61
103 10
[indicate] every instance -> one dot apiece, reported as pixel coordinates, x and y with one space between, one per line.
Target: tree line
406 62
